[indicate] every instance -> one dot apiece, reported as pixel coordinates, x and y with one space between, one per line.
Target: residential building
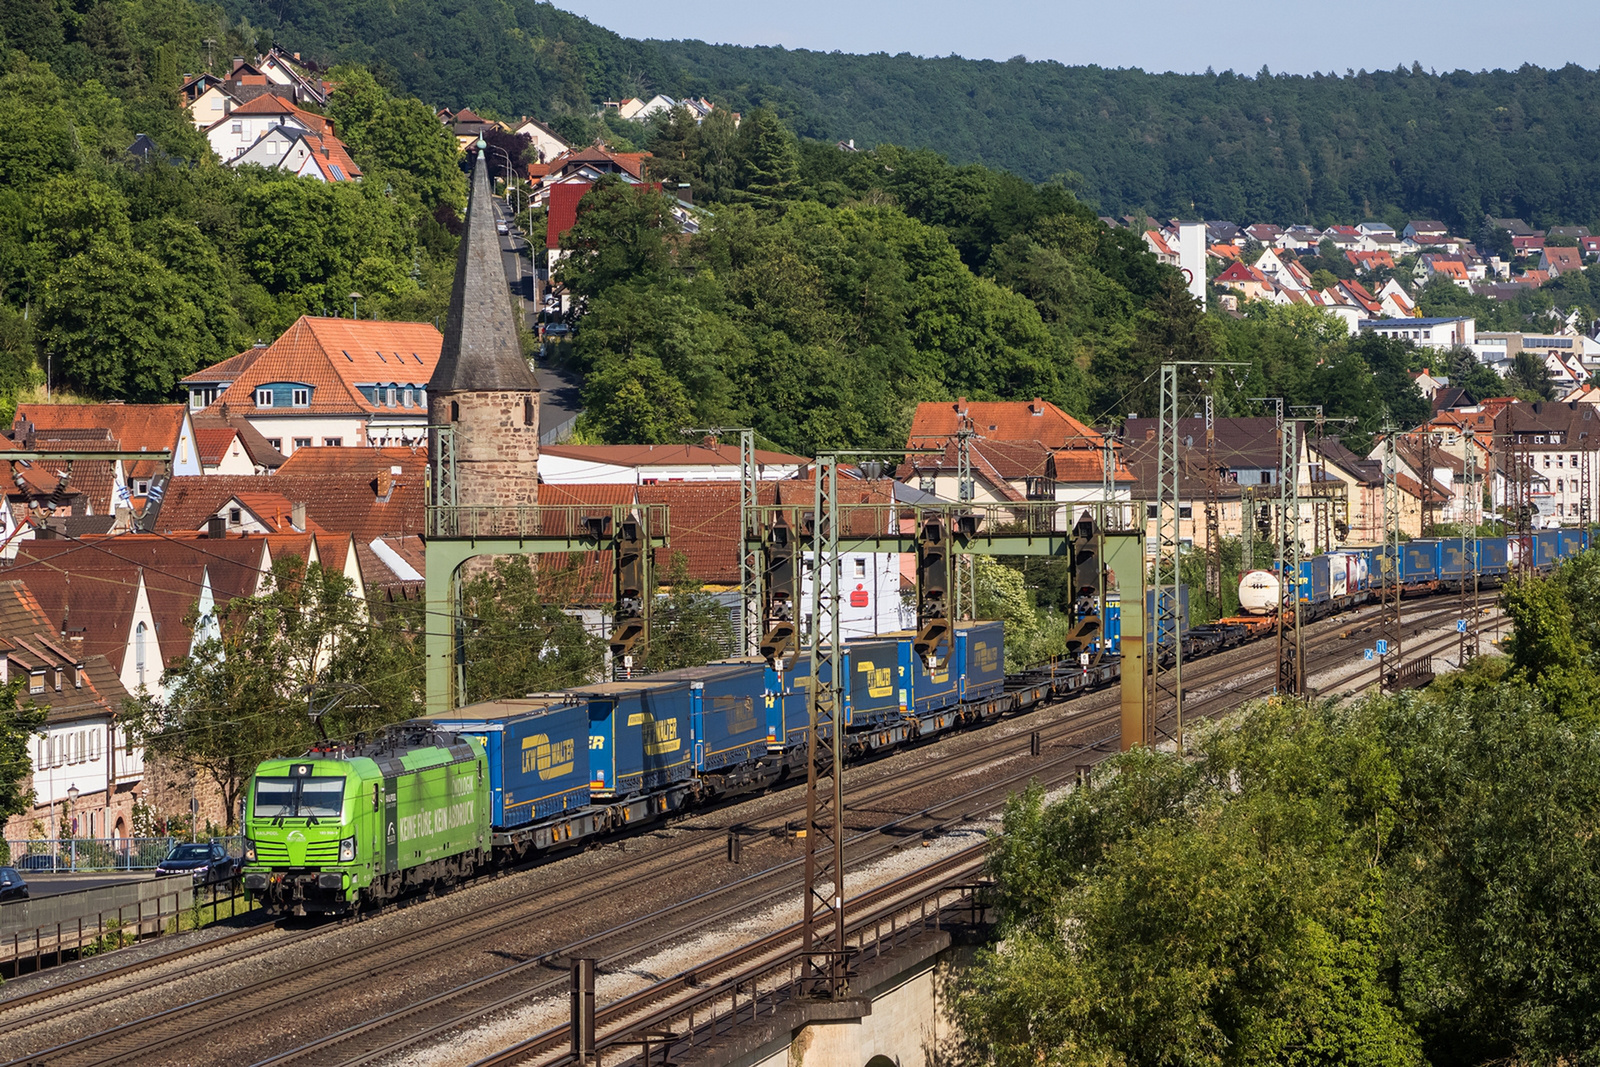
1425 232
82 768
328 383
301 152
1160 248
207 101
1249 282
1439 333
545 143
1559 260
1558 441
1368 262
233 135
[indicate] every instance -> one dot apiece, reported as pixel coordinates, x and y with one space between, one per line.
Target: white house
1425 333
329 383
546 143
301 152
231 135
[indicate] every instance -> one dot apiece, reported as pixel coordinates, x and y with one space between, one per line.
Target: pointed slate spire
481 352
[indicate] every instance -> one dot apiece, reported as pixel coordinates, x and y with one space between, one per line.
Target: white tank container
1260 593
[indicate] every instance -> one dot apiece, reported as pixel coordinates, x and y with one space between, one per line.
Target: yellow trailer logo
660 736
549 760
880 680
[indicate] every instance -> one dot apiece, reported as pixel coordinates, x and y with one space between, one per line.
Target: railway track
144 1038
469 1005
669 1007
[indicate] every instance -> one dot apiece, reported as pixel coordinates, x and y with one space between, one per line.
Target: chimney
385 484
1037 407
297 516
216 527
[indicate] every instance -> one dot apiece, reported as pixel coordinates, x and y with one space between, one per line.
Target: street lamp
507 155
355 305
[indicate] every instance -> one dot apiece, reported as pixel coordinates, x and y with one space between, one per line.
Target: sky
1155 35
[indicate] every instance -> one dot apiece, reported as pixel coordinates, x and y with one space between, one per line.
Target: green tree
688 627
620 237
20 723
769 160
518 641
243 696
117 324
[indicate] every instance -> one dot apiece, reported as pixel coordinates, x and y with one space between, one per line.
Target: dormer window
36 681
390 396
263 398
302 397
408 397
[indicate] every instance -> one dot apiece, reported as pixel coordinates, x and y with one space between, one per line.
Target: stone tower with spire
483 388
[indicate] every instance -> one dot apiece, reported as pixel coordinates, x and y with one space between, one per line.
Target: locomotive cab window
299 798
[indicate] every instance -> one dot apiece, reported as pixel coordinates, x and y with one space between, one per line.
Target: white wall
1192 257
352 431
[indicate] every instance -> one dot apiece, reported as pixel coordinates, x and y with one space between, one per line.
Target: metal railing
539 521
84 854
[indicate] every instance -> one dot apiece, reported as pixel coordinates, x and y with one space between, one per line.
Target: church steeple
481 350
482 388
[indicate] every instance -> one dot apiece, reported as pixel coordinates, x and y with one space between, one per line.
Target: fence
68 855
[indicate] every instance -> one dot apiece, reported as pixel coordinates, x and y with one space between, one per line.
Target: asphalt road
559 392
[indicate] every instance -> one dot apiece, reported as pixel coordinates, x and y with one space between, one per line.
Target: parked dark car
208 864
40 861
12 885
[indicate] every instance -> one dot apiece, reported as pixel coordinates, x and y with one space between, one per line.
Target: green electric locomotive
354 825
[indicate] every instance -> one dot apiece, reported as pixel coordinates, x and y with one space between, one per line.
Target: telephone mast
1469 550
1291 655
1389 563
1213 505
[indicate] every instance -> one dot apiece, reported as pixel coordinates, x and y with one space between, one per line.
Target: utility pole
1427 481
1469 551
822 921
1520 485
1168 612
1213 504
752 623
1110 510
1389 562
823 947
1291 655
966 575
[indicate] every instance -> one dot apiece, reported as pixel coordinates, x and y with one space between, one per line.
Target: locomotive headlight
249 851
347 850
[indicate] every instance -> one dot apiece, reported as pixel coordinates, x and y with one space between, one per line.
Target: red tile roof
334 356
212 443
1083 465
1240 273
270 104
331 157
562 210
132 427
1001 420
339 487
29 634
225 371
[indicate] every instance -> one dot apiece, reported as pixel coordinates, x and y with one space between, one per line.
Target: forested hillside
1321 149
121 274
